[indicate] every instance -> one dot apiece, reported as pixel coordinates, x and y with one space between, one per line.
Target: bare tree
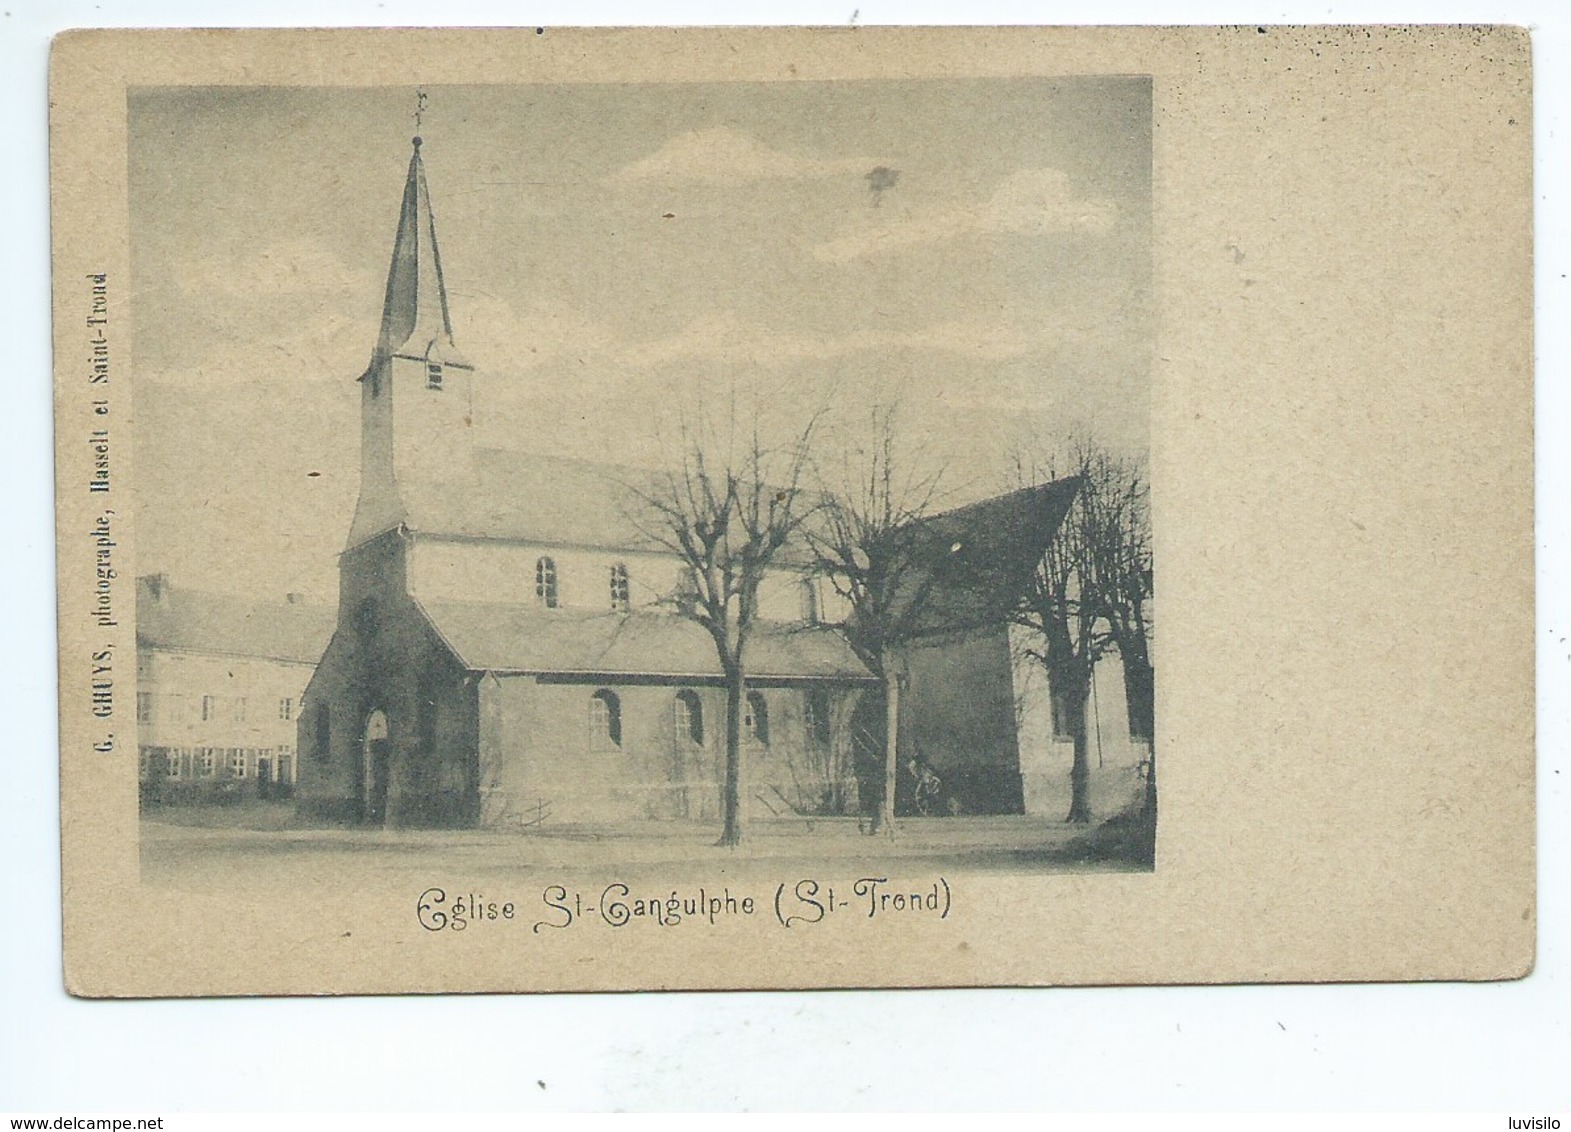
727 511
1122 566
1091 595
1059 607
871 544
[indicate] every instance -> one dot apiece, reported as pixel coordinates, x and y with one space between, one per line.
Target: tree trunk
1140 690
731 794
884 816
1139 695
1080 770
1151 785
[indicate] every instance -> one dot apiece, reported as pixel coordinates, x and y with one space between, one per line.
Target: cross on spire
420 100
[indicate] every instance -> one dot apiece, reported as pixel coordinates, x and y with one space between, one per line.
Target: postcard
555 509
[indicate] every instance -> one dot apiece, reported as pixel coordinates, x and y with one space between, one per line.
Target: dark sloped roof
197 621
976 562
519 638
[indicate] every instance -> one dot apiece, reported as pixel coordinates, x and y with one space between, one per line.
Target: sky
976 252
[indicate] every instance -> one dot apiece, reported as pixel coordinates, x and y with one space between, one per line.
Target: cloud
724 156
285 312
1031 202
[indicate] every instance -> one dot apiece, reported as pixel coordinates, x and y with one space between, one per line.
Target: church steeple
415 321
417 395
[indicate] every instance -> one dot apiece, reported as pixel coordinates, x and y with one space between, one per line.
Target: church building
510 648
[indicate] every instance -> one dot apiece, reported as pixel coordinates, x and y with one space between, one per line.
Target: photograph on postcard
590 475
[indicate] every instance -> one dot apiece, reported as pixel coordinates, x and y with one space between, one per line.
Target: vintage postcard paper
586 510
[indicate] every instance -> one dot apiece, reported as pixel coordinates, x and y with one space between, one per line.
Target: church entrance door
376 760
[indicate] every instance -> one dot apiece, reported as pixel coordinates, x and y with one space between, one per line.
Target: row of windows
548 596
212 707
605 719
546 593
270 764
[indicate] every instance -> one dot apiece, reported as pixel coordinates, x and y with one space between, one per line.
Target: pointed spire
414 316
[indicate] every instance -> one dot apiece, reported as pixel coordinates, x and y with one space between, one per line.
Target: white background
1452 1047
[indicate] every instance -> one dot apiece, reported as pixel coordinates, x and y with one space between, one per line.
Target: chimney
157 588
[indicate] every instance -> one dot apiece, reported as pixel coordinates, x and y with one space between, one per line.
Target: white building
219 684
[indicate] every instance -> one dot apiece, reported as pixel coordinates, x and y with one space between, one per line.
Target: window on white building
545 582
205 762
144 707
810 610
209 708
433 375
605 721
686 595
815 711
755 719
240 706
172 763
286 709
621 598
237 762
689 718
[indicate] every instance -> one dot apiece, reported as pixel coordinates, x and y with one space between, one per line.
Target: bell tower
417 394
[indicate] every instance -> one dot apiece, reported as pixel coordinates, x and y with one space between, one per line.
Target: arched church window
689 718
686 595
810 612
323 746
605 721
755 719
367 619
545 582
815 710
621 599
433 375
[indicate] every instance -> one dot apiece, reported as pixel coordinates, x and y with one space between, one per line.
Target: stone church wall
540 762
